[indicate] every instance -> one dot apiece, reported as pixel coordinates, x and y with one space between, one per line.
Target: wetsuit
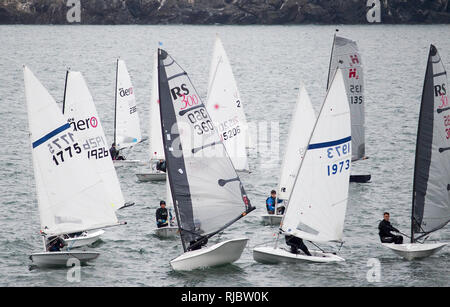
162 216
385 234
199 246
161 166
270 204
56 245
295 244
115 154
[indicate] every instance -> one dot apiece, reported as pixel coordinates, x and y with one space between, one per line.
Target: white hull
271 255
61 258
271 219
167 232
411 251
85 239
218 254
158 176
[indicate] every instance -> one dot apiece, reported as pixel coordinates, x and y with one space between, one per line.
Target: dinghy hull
160 176
271 255
219 254
360 178
271 219
85 239
411 251
49 259
166 232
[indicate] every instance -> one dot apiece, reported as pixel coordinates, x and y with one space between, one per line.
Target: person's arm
280 200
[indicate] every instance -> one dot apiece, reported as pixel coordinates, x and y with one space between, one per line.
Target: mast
115 101
331 59
417 145
65 89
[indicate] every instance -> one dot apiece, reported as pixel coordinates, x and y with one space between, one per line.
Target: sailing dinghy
170 231
127 129
80 112
70 193
345 55
300 130
207 194
225 107
431 187
318 200
156 143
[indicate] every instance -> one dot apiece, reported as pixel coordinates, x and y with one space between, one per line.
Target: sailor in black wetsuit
161 165
385 229
115 154
162 215
296 243
55 244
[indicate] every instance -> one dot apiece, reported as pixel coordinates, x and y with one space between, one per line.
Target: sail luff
156 143
115 103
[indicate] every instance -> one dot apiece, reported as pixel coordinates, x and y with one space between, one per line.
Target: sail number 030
199 118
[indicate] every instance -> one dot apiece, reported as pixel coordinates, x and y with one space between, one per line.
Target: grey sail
207 193
345 54
431 188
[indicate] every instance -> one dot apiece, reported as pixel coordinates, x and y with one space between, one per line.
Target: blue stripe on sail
329 144
50 135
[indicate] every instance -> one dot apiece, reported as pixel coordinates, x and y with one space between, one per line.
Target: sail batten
206 190
431 198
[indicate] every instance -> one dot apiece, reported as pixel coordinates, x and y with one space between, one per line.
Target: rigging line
317 246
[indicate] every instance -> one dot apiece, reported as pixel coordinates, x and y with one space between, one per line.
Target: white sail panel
71 195
317 205
206 189
300 130
346 56
79 110
128 129
226 109
432 170
156 142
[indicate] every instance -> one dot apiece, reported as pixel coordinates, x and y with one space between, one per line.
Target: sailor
296 243
115 154
162 215
55 244
198 243
270 202
161 165
385 229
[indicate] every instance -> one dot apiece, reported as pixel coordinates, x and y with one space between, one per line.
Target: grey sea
269 64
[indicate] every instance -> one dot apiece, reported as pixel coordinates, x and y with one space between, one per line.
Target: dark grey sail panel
345 55
431 195
206 190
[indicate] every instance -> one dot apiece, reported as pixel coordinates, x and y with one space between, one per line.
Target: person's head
162 204
161 160
113 144
273 193
386 216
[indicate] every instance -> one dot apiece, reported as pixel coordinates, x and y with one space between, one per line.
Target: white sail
300 130
317 205
156 142
71 195
79 110
346 56
127 127
225 107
